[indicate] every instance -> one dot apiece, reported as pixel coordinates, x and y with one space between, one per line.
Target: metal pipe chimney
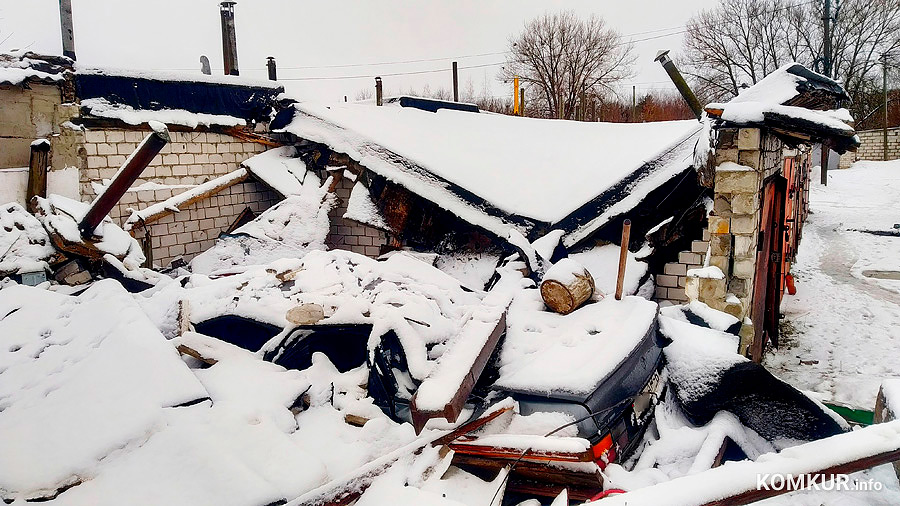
229 41
378 92
273 69
663 58
65 25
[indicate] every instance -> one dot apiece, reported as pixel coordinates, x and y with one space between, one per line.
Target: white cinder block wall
191 158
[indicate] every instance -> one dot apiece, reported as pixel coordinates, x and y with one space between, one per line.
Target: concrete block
719 261
750 158
699 247
727 155
661 292
126 148
675 269
736 181
186 159
115 160
667 281
686 257
744 224
106 149
745 245
373 251
748 138
114 136
744 268
133 136
706 234
719 225
745 203
94 136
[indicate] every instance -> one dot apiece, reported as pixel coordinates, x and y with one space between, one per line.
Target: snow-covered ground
841 332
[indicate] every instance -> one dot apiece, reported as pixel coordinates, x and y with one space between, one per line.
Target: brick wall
872 146
350 234
191 158
196 227
670 284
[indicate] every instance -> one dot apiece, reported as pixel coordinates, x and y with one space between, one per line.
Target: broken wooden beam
623 258
461 365
124 178
172 205
37 170
817 462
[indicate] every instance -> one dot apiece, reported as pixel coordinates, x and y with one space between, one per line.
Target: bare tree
741 41
560 57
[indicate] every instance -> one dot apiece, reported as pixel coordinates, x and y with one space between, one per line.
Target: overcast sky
172 34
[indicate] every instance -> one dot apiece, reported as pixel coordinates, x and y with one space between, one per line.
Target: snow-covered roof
19 68
793 99
494 171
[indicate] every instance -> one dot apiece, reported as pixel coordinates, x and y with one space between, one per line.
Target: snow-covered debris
756 112
700 314
361 208
440 387
707 376
425 307
711 272
60 217
102 108
24 244
19 67
697 358
184 198
289 229
547 352
80 378
734 478
603 264
280 169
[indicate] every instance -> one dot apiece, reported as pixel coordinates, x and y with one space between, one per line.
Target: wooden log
566 286
37 170
623 258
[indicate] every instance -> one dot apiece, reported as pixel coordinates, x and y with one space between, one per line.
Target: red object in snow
789 281
607 493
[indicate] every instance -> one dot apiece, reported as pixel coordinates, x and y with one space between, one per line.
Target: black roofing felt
815 81
432 105
251 103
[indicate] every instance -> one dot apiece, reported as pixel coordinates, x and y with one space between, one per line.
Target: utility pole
521 101
826 19
65 24
455 83
633 104
884 67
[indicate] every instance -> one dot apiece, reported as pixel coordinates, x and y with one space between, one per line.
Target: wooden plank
489 451
37 170
190 201
452 409
537 472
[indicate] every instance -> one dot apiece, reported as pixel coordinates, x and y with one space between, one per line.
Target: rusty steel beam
124 178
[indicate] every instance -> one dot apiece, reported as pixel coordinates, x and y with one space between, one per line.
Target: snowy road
841 332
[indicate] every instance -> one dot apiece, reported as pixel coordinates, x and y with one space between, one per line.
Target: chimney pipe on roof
65 25
663 58
270 65
378 95
229 40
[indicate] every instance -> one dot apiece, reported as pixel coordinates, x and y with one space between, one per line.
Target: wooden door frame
767 284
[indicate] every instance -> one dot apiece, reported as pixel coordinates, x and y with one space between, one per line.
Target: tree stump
566 286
